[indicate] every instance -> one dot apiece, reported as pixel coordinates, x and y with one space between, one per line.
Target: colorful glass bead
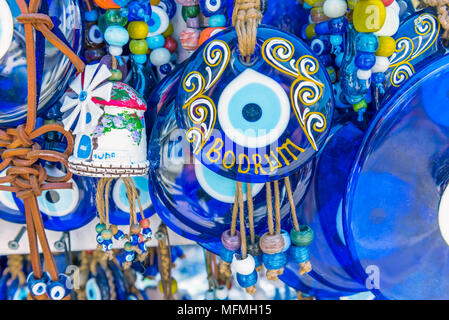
217 20
58 290
106 4
171 44
299 254
158 21
91 16
169 6
100 227
160 56
147 233
275 261
190 12
391 24
287 240
193 23
243 266
381 65
207 33
369 15
230 242
116 36
140 11
120 235
99 239
155 42
221 293
37 287
334 8
246 281
138 29
303 237
367 42
138 46
169 31
317 15
365 60
106 234
116 75
387 45
106 245
114 18
271 243
189 39
211 7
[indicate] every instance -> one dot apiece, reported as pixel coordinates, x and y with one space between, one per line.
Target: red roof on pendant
123 96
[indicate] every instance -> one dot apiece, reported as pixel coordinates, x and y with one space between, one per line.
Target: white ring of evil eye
6 27
92 288
251 77
220 184
39 288
211 7
161 17
92 36
6 197
57 292
118 194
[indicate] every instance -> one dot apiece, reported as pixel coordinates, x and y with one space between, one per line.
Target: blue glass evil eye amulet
256 121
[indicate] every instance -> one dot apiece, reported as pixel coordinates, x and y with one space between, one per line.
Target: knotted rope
245 18
26 177
164 261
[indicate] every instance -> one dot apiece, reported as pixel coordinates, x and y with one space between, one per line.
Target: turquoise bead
298 254
303 237
160 56
116 36
366 42
155 42
140 58
217 20
91 16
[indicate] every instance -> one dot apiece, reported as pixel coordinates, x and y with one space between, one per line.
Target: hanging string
277 206
269 208
242 220
234 213
246 16
249 203
164 261
15 269
292 204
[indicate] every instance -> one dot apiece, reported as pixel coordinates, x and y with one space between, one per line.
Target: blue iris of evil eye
253 110
219 187
211 7
92 290
59 202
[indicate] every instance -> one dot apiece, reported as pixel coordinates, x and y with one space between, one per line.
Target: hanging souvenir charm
110 128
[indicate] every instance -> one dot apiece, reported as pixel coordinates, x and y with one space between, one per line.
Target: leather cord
21 155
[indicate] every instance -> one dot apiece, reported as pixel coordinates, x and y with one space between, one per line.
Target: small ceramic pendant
254 121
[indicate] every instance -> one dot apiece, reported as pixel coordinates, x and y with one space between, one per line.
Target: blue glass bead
322 28
160 56
106 245
378 77
129 256
38 287
338 25
365 60
120 235
209 8
142 246
121 3
169 6
140 58
91 16
99 239
134 239
226 254
147 233
155 42
320 45
246 281
218 20
258 260
116 36
326 59
367 42
165 68
298 254
275 261
139 11
57 290
336 40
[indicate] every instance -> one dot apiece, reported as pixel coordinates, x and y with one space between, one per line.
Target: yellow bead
314 3
174 286
138 29
369 15
138 47
169 31
154 2
310 31
387 45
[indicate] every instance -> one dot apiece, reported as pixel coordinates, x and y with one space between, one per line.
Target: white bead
115 51
395 6
221 293
160 56
391 24
334 8
363 74
381 65
243 266
209 295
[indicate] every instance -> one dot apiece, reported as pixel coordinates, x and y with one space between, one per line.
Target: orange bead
107 4
207 33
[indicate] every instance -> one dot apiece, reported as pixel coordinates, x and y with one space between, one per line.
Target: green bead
100 227
303 237
114 18
102 25
190 12
138 46
106 234
116 75
359 105
128 246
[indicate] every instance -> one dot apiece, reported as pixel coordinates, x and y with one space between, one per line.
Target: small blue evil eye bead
120 235
38 287
367 42
247 280
91 16
218 20
106 245
134 239
338 25
147 233
140 58
139 10
165 69
364 60
129 256
212 7
319 46
156 41
298 254
142 246
99 238
59 289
